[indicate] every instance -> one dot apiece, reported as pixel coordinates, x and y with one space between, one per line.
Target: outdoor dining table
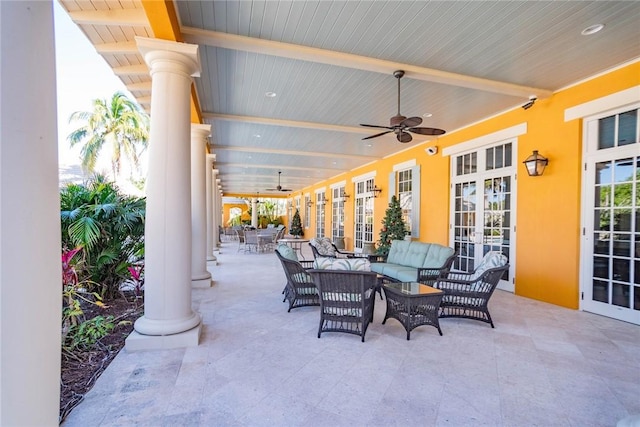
295 244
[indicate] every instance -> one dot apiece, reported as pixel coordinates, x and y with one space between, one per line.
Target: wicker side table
413 304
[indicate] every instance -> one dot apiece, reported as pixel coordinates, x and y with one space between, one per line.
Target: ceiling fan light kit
401 125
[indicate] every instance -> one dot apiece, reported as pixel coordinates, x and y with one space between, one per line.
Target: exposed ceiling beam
117 48
115 17
292 152
285 123
144 100
341 59
131 70
139 87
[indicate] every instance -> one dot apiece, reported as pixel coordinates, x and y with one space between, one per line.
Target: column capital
202 131
169 56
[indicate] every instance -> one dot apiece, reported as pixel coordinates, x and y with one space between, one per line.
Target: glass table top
412 288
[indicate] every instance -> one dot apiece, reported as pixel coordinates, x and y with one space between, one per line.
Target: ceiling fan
401 125
279 187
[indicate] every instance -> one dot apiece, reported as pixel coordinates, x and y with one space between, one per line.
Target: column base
212 259
201 280
138 342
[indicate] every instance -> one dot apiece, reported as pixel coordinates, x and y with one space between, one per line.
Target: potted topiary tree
296 225
393 227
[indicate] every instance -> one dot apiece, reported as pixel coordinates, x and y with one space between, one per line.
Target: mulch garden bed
81 369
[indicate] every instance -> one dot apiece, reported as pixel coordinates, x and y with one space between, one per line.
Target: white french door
610 277
483 207
363 214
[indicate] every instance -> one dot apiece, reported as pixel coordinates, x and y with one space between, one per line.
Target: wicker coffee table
413 304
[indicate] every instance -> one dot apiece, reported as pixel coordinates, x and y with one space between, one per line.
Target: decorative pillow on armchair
492 259
323 246
354 264
287 252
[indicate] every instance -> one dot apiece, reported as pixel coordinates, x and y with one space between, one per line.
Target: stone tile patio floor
258 365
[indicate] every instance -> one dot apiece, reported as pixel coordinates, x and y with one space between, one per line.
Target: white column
211 225
215 208
168 320
254 212
30 248
200 277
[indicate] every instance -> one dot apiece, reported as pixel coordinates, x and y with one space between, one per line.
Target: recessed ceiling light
427 115
369 144
257 136
270 94
592 29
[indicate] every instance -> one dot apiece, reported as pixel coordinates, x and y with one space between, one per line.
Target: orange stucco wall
548 207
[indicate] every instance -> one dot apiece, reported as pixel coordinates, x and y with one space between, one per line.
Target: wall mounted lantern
376 191
535 164
309 203
345 196
322 201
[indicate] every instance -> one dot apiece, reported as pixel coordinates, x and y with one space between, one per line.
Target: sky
82 76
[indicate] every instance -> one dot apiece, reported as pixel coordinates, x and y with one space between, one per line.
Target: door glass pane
606 132
621 269
620 295
465 221
627 130
601 243
600 291
601 267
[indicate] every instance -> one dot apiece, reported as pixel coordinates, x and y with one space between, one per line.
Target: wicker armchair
467 294
300 289
347 300
323 247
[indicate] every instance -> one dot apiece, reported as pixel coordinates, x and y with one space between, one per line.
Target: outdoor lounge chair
467 294
300 289
347 300
323 247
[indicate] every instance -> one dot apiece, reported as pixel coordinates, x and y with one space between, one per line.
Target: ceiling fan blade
375 126
377 135
411 122
286 189
404 137
426 131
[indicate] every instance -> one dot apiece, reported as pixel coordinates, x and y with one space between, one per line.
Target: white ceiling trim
114 17
341 59
292 152
285 123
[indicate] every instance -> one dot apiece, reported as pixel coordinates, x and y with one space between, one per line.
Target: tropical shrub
108 225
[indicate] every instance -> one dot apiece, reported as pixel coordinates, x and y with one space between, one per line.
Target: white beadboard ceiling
330 64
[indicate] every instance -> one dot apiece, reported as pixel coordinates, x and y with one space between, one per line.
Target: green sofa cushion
398 251
436 255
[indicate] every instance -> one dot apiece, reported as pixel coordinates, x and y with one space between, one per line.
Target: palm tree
118 121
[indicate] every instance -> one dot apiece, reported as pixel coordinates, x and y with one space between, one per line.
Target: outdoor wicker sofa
413 262
467 294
